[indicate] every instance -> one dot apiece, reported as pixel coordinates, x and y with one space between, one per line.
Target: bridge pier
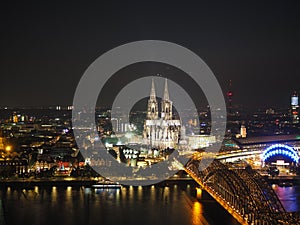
199 193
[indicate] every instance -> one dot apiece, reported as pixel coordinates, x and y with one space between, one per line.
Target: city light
280 149
150 113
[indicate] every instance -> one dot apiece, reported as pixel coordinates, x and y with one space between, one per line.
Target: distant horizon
237 106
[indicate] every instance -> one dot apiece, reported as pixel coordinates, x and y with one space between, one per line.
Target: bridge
244 193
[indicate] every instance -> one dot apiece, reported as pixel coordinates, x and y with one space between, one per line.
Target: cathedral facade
161 130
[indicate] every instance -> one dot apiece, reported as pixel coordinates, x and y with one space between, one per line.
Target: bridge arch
242 192
280 149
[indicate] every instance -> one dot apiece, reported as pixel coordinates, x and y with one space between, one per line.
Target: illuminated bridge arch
280 149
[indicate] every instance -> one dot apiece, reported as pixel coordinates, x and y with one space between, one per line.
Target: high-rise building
164 131
229 96
15 118
295 108
243 131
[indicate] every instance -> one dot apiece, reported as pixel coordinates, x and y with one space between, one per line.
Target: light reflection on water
289 197
197 213
173 204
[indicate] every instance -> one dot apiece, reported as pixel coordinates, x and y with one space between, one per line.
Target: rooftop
266 139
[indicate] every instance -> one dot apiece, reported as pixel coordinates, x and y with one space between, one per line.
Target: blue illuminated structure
280 149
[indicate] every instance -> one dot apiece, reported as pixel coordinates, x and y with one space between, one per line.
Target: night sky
46 47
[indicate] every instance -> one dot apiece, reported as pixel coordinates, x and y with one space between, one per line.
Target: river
160 204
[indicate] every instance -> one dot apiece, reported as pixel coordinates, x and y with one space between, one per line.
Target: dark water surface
173 204
155 205
289 197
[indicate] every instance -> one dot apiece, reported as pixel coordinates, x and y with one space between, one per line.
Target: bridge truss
242 192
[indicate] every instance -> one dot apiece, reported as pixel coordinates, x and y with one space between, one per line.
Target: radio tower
229 96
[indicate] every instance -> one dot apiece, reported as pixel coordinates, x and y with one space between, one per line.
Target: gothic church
164 131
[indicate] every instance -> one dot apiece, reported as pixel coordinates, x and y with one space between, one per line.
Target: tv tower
229 96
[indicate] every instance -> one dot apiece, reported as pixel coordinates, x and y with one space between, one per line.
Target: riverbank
73 182
26 183
89 182
295 180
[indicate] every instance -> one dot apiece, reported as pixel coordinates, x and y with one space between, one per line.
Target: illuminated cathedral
164 131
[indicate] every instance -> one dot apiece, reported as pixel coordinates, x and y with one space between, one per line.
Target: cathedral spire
152 112
166 104
166 91
152 94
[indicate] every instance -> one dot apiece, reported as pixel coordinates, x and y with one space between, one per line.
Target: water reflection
289 197
128 205
140 192
197 214
54 196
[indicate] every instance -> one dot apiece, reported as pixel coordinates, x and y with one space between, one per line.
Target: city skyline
114 113
47 47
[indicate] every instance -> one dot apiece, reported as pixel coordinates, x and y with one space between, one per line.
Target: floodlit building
164 131
200 141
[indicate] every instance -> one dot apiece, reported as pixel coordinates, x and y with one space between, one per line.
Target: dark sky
46 47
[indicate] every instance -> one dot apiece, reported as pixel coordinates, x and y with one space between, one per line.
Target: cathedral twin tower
161 132
166 104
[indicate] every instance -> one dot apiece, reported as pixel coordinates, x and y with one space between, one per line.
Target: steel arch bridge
244 193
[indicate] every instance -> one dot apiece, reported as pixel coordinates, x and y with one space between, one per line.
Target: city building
164 131
243 132
262 142
229 97
200 141
295 108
